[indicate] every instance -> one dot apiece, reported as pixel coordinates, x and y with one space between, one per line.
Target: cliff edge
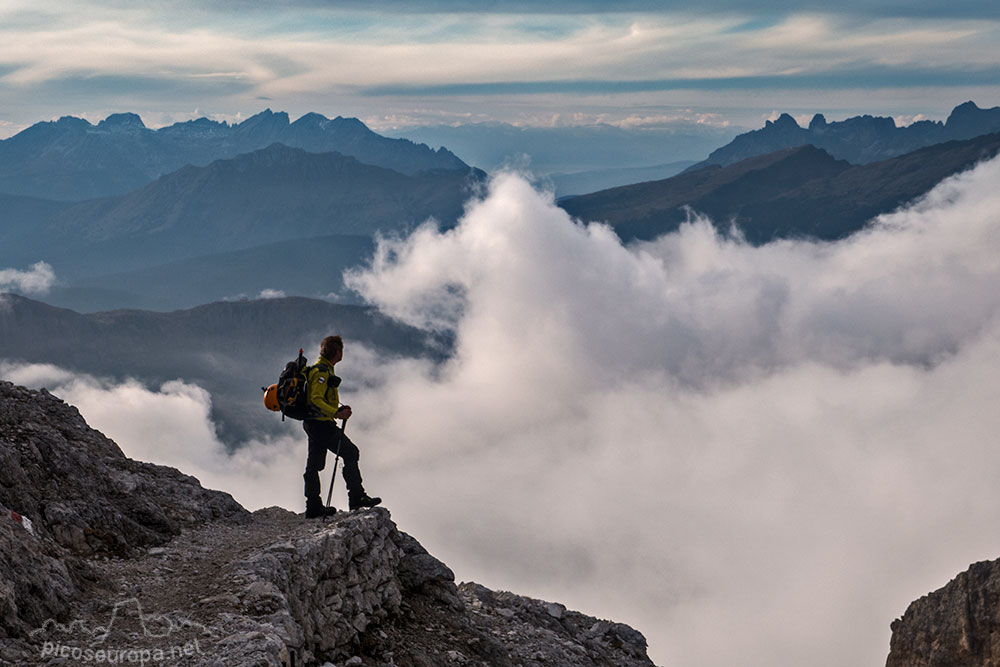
104 559
955 626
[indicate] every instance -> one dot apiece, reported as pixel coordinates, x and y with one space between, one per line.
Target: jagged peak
969 112
818 121
122 121
71 121
885 122
312 118
265 117
350 125
351 120
199 123
784 121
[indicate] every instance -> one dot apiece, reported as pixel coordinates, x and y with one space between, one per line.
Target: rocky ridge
955 626
72 159
129 561
859 140
801 192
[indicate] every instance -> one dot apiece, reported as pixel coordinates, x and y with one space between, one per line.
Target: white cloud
36 280
698 436
748 453
271 294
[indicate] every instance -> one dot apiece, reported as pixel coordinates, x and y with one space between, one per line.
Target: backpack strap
334 379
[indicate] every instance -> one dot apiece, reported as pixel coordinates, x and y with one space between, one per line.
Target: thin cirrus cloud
309 55
892 8
646 48
873 77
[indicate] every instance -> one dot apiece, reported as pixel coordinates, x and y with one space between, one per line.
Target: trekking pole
336 461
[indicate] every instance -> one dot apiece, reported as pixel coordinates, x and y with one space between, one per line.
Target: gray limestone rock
955 626
81 491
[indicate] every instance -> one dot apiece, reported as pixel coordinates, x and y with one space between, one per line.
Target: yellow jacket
323 396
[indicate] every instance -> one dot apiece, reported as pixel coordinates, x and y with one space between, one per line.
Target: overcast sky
395 64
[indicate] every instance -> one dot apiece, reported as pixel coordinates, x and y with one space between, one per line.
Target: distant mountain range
268 196
207 345
312 267
273 218
574 148
72 159
801 192
858 140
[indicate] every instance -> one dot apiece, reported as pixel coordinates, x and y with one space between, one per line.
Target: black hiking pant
323 437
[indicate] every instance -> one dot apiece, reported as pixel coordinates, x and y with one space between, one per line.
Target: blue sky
396 64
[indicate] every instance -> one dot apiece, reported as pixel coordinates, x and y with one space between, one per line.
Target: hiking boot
316 510
362 501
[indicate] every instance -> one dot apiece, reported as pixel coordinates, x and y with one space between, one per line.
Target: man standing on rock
324 402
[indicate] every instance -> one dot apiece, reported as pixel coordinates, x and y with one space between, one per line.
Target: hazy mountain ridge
71 159
800 192
263 269
201 345
207 233
21 214
273 194
859 140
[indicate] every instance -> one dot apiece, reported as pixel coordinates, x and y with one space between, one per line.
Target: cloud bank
36 280
778 446
756 456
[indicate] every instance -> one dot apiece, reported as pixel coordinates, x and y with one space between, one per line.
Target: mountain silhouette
309 267
71 159
270 195
859 140
205 345
792 193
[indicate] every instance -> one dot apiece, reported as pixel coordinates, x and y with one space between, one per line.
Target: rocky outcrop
189 577
955 626
82 498
82 491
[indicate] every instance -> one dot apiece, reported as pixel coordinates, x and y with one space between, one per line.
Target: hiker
324 402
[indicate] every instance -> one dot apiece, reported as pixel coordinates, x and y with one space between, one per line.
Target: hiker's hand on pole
344 412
